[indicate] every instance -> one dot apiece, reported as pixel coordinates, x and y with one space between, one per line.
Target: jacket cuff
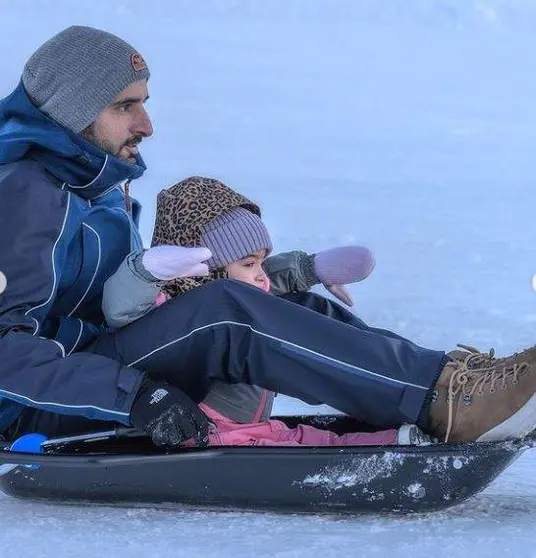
134 262
306 263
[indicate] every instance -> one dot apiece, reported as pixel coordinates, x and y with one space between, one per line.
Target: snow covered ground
406 125
500 522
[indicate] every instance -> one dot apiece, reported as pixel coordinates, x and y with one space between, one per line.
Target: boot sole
516 426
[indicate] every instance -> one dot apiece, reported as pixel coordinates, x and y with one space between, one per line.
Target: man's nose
143 125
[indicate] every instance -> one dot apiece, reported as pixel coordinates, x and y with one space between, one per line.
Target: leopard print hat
181 213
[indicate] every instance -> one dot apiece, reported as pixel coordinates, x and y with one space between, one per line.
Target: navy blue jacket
64 230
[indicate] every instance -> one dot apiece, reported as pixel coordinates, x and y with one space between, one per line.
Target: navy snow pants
301 345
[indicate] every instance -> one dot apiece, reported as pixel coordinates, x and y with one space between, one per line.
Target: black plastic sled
129 470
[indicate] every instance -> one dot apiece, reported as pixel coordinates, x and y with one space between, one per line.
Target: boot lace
476 359
467 380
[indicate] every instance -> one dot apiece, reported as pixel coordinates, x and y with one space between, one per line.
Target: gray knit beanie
77 73
233 235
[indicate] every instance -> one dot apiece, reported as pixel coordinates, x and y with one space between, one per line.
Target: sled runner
107 468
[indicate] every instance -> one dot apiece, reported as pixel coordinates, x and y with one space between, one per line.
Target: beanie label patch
138 63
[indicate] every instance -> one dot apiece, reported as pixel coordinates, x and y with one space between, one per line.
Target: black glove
168 415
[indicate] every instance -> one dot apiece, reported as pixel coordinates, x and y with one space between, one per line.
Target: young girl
204 212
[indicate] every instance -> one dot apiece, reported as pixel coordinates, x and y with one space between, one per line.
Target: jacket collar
25 132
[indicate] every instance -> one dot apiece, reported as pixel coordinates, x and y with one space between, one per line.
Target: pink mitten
342 293
170 262
339 266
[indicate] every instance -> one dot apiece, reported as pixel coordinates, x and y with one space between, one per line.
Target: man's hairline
136 99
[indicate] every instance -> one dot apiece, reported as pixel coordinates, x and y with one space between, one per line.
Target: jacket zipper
128 202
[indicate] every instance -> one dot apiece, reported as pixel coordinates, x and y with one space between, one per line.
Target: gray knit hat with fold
77 73
234 235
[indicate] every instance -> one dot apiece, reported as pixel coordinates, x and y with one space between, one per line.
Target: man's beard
107 146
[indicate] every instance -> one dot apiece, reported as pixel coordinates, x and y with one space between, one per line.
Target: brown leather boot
528 356
482 360
477 360
494 401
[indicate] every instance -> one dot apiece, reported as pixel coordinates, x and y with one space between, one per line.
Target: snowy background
405 125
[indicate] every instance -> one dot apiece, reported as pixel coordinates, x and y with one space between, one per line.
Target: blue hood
26 132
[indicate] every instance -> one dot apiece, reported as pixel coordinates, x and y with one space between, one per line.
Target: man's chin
127 158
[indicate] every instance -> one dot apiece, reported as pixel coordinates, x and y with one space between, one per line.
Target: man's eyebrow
130 100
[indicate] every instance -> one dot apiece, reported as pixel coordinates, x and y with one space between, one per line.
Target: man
69 138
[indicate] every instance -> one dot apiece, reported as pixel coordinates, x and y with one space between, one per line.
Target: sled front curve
297 479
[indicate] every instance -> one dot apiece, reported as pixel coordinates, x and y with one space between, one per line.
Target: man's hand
339 266
166 262
168 415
